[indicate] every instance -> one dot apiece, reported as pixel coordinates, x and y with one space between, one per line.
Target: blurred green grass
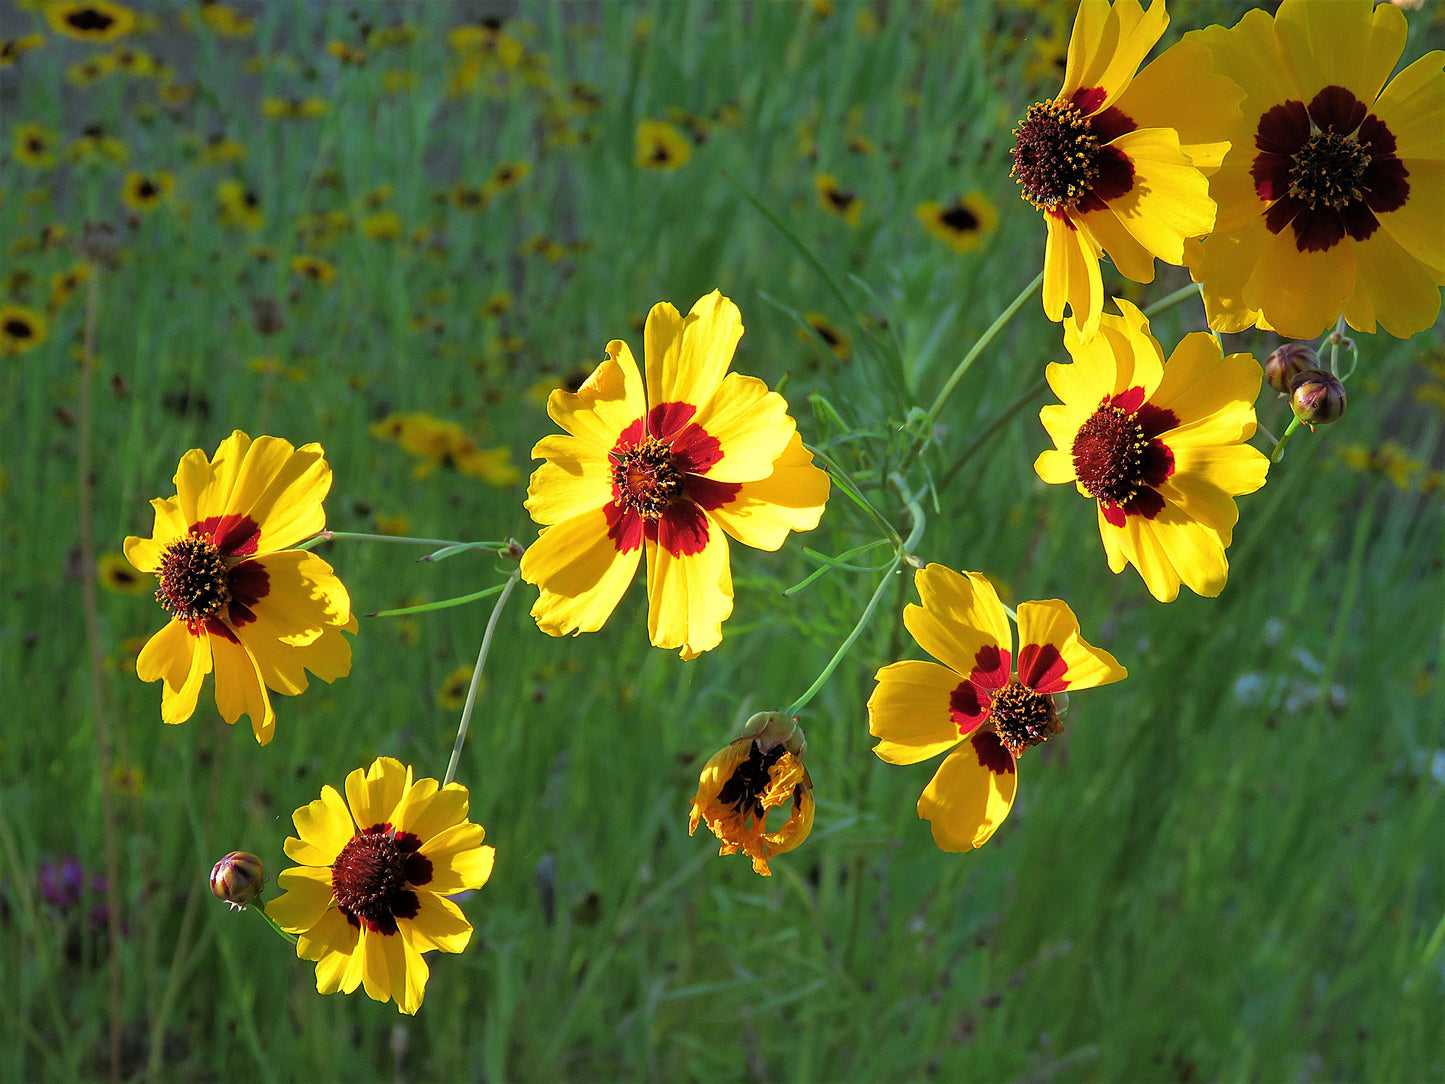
1228 866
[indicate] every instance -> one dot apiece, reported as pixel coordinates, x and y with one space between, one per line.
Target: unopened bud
1316 397
237 879
1286 363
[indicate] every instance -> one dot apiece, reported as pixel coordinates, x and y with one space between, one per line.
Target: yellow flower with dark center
497 305
986 704
11 48
744 782
349 55
137 62
314 268
92 20
672 467
238 207
241 601
1160 446
963 224
832 338
226 20
114 573
147 191
1117 162
95 145
835 199
507 175
294 108
91 70
381 226
1332 199
63 285
221 148
452 693
370 893
21 329
33 145
661 145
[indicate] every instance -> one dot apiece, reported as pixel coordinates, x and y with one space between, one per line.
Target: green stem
260 908
512 579
798 704
1168 301
351 536
855 493
1032 393
1278 453
968 360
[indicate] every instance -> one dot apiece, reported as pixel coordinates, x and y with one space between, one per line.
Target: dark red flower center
1108 454
1022 717
373 876
194 580
744 789
16 328
840 199
1056 155
646 479
1328 169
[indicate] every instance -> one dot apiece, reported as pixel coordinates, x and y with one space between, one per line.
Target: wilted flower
741 783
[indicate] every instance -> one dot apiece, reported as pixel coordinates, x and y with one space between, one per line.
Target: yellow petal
1051 624
970 794
335 945
1180 89
960 617
145 553
575 480
1169 198
307 896
1112 43
182 662
686 359
689 596
439 924
1071 275
281 487
210 482
909 711
1301 294
324 826
1212 396
1393 288
581 574
751 425
241 689
610 400
374 794
790 499
383 971
1352 44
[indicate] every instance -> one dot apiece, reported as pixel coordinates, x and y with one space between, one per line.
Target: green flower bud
1286 362
237 879
1316 397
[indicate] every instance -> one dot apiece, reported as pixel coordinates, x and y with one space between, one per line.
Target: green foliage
1227 867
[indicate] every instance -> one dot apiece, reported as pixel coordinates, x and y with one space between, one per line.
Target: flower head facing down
1118 162
243 603
980 703
1332 197
370 893
1160 446
670 467
738 787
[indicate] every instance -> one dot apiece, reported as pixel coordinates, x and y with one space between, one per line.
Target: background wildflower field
370 226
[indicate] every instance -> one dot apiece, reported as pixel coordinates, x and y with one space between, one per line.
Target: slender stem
1168 301
1278 453
103 752
855 493
260 909
802 701
1029 395
351 536
512 579
968 360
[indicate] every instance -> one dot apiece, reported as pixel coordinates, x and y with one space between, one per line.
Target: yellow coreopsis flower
21 329
1332 200
661 145
242 601
1160 445
93 20
672 467
984 703
1118 162
376 869
963 224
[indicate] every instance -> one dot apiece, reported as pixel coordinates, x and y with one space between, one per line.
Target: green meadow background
1229 867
